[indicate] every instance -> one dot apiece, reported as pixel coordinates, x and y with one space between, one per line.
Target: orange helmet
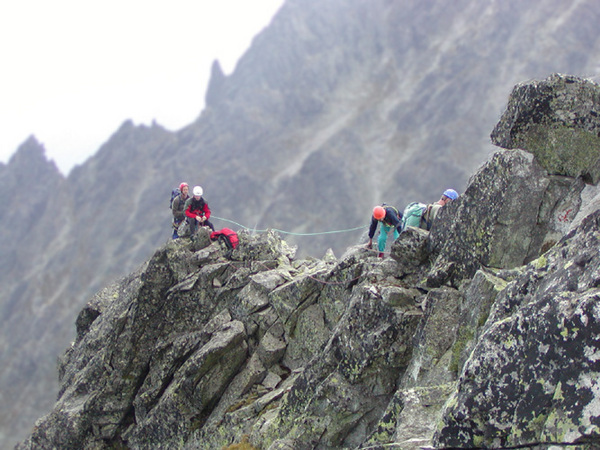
378 212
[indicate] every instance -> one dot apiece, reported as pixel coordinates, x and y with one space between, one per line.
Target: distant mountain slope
337 106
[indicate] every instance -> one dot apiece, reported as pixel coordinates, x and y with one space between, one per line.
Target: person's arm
206 211
433 213
188 210
372 229
178 214
394 219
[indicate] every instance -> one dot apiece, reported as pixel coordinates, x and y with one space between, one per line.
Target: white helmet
198 191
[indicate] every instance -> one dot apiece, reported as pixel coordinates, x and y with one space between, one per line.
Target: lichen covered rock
558 120
532 377
510 213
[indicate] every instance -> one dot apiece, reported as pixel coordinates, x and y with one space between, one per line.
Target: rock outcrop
532 378
558 120
479 334
510 212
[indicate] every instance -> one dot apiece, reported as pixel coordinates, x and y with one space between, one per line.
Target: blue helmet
451 194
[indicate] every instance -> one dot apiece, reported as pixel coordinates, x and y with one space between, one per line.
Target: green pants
383 235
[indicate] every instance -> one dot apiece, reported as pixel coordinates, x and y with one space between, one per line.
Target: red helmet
378 212
182 185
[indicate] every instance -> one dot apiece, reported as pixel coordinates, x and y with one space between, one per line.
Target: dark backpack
227 236
174 193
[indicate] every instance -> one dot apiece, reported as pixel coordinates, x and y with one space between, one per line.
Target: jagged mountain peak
31 158
27 171
214 91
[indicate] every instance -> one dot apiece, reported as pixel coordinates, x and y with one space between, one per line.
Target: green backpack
413 216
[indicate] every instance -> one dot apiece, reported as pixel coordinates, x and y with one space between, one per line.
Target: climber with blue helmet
420 215
390 219
429 216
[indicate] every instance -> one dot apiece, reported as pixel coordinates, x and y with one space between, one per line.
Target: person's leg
383 235
209 224
175 229
193 225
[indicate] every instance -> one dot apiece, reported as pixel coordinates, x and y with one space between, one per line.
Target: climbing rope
290 232
300 234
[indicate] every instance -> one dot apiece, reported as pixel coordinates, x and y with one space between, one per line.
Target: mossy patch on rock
558 120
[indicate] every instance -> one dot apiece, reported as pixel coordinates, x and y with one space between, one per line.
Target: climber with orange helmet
177 207
197 211
390 219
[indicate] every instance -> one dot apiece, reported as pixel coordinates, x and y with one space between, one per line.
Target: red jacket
195 208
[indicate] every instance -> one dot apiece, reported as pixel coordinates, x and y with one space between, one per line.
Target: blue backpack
174 193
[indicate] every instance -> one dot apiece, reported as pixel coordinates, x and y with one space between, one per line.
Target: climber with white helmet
390 219
197 211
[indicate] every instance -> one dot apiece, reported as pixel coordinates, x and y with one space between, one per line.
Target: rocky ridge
479 334
351 103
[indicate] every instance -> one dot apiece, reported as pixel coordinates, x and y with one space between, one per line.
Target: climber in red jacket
197 211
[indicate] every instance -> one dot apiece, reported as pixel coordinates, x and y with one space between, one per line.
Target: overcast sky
74 70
